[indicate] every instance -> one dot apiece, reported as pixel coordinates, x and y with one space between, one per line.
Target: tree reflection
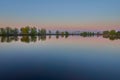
3 39
33 38
57 36
25 39
28 39
66 36
43 37
9 38
49 36
111 37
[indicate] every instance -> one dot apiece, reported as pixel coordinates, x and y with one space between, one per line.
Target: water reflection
9 39
113 37
70 57
28 39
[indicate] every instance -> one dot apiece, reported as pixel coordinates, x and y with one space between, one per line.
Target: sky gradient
61 14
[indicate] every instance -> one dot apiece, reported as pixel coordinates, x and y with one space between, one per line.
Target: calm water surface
72 58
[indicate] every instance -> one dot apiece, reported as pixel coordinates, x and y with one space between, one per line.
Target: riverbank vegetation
111 34
33 31
29 31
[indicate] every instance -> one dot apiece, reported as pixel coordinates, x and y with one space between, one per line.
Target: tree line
23 31
30 34
112 34
28 39
32 31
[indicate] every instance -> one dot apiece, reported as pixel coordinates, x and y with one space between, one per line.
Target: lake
57 58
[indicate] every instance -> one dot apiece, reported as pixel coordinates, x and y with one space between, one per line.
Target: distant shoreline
33 31
40 35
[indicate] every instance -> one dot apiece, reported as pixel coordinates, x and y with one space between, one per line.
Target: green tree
57 34
33 31
105 32
112 32
25 30
8 30
43 32
16 31
3 31
84 34
66 34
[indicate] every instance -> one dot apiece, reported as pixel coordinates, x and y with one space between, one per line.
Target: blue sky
60 12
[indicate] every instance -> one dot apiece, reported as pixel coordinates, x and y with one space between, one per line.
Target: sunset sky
61 14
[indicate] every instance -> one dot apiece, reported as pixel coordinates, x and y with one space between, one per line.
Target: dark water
48 58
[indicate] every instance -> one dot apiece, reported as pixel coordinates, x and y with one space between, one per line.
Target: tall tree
105 32
15 31
25 30
43 32
8 30
33 31
66 34
112 32
3 31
